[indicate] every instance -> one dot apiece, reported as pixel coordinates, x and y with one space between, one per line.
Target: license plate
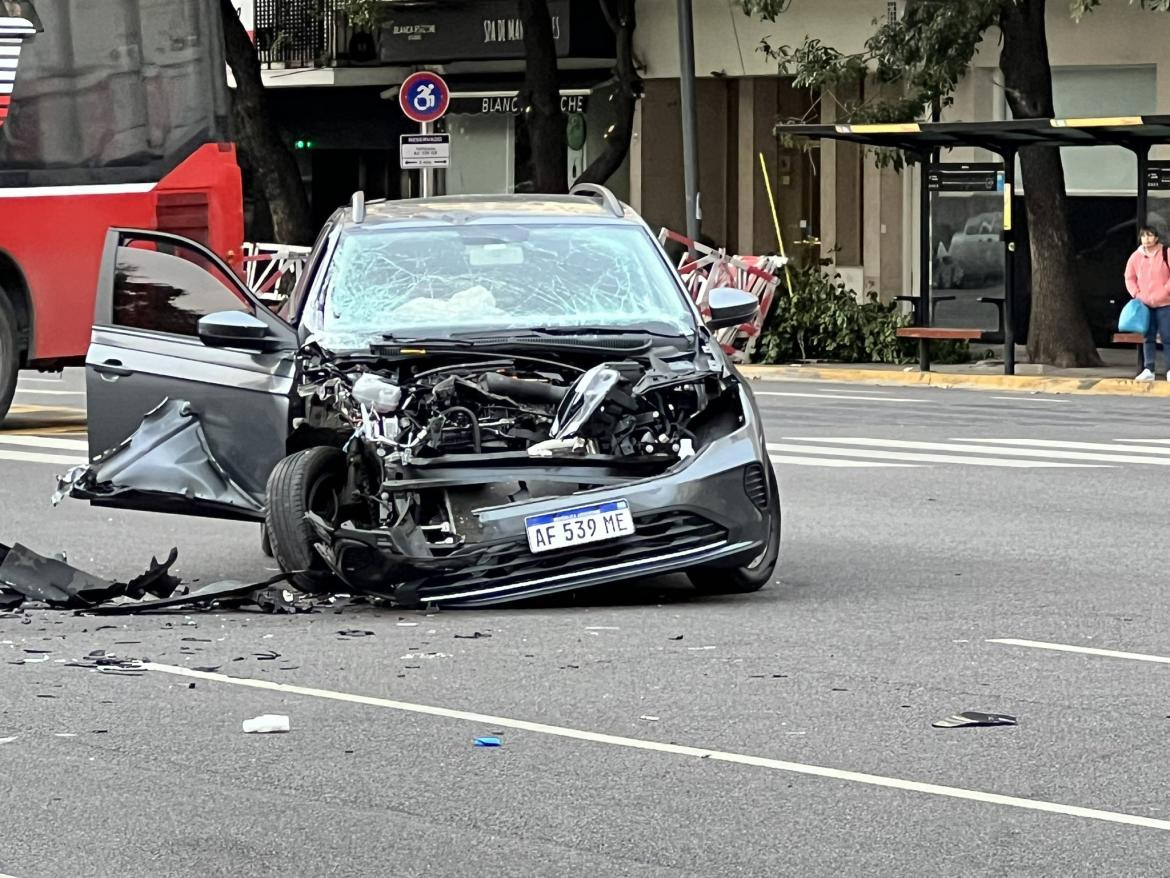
575 527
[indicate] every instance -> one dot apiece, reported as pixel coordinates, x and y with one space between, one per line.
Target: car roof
462 209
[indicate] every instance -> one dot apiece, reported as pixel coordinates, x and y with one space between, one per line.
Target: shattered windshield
434 282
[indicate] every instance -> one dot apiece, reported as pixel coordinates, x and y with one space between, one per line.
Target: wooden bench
940 332
926 334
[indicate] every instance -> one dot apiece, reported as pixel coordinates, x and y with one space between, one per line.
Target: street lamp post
690 119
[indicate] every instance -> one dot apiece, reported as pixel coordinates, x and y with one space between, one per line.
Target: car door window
164 286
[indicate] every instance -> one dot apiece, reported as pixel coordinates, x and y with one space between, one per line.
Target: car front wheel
753 576
308 481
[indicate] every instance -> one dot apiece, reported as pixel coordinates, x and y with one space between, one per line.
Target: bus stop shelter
923 143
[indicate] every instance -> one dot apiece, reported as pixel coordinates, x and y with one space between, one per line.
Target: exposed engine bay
406 413
432 440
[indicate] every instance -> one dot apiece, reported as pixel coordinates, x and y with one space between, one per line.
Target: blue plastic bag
1135 317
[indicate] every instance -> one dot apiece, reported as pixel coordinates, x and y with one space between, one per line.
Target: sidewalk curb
950 380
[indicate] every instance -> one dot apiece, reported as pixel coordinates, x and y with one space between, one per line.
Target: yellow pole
775 220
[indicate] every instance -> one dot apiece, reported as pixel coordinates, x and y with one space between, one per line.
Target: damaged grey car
465 400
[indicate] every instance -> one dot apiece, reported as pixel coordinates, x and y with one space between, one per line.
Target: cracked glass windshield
433 282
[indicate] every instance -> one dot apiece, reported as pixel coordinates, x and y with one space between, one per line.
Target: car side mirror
730 307
235 329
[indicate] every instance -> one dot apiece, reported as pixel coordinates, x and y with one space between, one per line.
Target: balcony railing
299 33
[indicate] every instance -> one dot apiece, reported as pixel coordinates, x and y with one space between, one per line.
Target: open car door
189 378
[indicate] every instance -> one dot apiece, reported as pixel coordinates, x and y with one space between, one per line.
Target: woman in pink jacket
1147 277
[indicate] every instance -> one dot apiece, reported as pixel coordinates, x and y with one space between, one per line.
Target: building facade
335 87
1109 64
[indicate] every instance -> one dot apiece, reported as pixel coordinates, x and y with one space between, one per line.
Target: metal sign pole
924 259
1143 183
1009 263
424 97
427 184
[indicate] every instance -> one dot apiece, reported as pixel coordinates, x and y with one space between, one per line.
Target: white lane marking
1146 441
36 457
32 391
490 721
1032 399
43 441
852 390
828 461
960 447
880 454
1085 446
841 396
1086 650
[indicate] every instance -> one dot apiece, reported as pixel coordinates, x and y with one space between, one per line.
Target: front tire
751 577
308 481
9 354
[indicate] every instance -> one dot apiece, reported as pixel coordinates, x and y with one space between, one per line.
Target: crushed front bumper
707 511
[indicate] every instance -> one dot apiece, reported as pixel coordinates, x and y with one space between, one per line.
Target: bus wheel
9 355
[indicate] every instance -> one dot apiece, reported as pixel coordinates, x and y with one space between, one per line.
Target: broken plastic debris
649 719
8 740
974 718
354 632
266 724
487 742
25 575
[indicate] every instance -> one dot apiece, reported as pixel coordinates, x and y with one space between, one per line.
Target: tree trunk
1058 331
620 16
258 135
541 100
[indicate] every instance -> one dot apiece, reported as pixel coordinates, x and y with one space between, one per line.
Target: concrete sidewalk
1116 377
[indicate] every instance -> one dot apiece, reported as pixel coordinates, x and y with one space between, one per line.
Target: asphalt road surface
943 551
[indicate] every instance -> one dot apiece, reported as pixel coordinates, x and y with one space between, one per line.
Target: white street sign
424 151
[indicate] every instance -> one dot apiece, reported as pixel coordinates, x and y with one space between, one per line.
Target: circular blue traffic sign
424 97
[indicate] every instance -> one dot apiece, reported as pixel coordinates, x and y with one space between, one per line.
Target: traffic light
303 144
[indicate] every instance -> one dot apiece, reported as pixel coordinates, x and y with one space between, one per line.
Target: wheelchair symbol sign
424 97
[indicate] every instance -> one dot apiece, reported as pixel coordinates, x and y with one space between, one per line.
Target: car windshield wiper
431 341
636 342
656 330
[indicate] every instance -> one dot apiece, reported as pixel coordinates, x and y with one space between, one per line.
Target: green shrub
822 320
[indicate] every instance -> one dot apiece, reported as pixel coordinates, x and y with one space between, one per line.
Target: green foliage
921 58
822 319
1080 8
363 15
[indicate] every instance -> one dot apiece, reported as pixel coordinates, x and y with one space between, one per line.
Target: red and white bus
112 113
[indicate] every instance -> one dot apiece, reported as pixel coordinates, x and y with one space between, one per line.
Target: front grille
511 561
755 485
